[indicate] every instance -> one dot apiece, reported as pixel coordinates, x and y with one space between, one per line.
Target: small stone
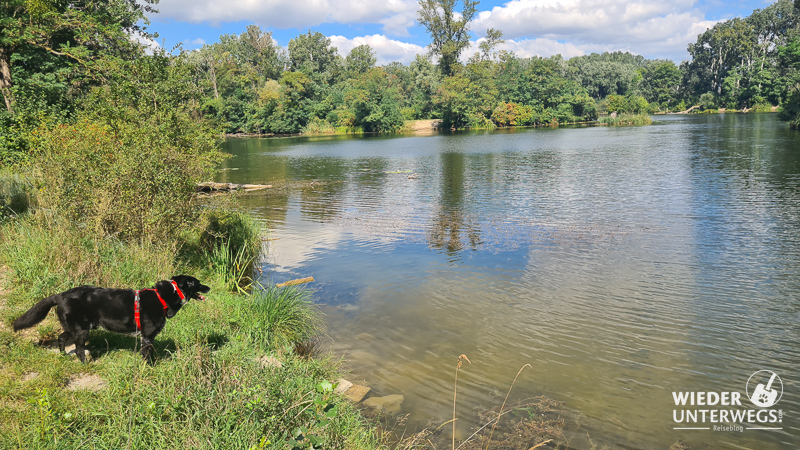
680 445
342 386
86 381
356 393
390 404
269 361
30 376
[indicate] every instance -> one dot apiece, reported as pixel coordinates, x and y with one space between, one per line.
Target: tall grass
318 126
231 244
48 255
280 317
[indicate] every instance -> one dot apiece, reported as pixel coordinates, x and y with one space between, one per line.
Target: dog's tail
36 314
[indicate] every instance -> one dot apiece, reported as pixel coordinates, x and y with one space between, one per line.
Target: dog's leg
63 338
147 349
80 343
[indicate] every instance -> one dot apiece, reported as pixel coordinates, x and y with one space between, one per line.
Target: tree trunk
5 78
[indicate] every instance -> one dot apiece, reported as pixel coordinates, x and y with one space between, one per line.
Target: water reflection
623 263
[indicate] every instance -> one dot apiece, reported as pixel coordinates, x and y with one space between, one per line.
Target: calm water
622 263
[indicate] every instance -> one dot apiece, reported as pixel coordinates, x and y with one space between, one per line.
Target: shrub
318 126
16 194
512 114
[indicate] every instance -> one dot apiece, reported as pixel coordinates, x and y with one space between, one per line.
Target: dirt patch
86 381
425 126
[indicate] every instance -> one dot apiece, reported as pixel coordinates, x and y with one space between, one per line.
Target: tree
449 33
52 52
493 39
375 101
360 60
313 55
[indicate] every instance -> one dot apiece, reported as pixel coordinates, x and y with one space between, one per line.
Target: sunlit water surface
622 263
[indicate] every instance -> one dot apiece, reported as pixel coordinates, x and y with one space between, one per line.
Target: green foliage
449 31
278 317
16 194
789 56
374 99
231 245
512 114
318 126
708 101
736 59
631 104
312 54
605 74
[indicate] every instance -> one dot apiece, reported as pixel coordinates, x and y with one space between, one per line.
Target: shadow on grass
102 342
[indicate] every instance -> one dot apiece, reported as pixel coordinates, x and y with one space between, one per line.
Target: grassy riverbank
227 374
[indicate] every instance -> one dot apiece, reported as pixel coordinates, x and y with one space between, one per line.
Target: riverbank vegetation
102 147
251 84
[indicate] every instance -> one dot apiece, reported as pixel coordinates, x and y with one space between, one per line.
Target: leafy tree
493 39
312 54
360 60
660 82
51 52
375 101
449 31
607 73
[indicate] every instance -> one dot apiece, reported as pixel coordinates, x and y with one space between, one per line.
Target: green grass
626 119
207 389
281 317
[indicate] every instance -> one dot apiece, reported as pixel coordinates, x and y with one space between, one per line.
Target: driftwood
210 186
689 110
294 282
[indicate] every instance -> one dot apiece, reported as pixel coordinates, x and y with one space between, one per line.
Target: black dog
85 308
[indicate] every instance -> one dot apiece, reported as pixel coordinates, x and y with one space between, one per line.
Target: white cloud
654 28
194 43
149 45
386 50
395 15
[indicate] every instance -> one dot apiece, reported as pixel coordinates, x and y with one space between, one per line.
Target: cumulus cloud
654 28
395 15
149 44
386 50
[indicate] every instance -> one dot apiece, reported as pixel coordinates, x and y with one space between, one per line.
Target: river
624 264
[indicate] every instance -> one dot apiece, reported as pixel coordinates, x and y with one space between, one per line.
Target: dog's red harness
163 303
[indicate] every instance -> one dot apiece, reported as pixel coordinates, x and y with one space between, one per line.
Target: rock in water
390 404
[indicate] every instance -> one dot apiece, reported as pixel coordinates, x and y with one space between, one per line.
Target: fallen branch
294 282
210 186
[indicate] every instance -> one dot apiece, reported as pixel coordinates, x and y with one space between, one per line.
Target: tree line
57 56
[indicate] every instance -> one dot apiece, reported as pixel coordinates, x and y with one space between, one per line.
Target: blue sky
653 28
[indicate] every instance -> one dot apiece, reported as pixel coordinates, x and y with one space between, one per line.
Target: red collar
177 289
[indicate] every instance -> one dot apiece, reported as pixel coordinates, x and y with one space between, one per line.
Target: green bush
512 114
126 183
16 193
318 126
